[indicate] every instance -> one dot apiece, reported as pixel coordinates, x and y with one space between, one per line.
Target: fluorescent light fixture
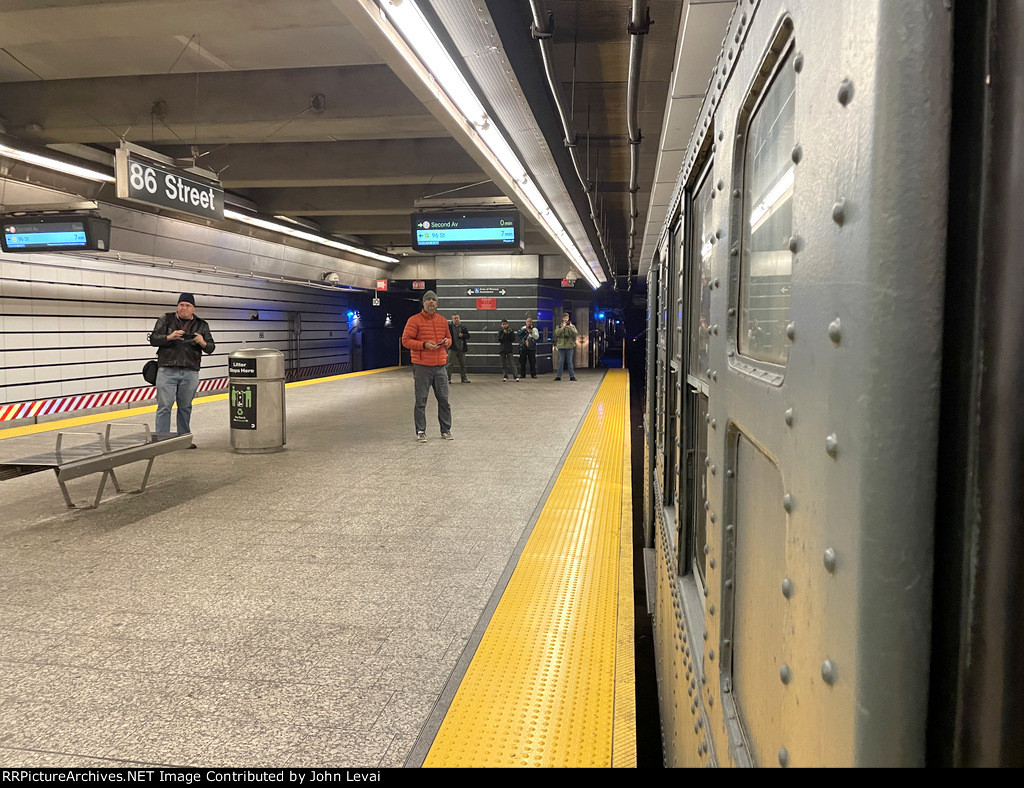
409 30
780 192
284 229
54 164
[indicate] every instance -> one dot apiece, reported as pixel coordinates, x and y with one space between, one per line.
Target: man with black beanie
182 338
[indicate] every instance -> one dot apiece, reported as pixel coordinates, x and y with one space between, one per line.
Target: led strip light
54 164
84 172
413 38
255 221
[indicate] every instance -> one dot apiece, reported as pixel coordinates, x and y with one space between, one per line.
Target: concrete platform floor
298 609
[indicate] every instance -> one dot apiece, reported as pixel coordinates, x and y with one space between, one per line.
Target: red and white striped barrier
47 407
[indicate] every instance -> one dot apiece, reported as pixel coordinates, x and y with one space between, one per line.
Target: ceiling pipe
542 32
638 26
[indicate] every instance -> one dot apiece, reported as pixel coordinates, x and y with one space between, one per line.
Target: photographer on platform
528 336
182 338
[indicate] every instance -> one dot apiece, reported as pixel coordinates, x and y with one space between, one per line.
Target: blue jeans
565 359
427 378
174 384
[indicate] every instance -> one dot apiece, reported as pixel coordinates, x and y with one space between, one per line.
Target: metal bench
100 455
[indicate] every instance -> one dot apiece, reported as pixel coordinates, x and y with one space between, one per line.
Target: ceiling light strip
255 221
83 172
54 164
414 39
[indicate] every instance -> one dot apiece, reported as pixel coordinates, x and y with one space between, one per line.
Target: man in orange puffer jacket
427 337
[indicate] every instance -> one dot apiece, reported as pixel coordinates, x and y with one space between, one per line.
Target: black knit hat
188 297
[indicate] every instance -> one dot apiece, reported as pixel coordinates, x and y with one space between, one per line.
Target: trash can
256 400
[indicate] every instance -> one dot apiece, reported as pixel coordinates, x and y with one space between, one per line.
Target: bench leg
67 496
145 478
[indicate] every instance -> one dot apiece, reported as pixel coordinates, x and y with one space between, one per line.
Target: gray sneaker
447 436
421 437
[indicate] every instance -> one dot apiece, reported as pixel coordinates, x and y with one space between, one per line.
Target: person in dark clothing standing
506 338
182 338
457 352
528 336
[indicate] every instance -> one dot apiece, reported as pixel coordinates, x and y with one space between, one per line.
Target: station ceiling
302 112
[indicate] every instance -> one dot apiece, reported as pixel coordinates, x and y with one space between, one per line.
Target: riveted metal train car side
822 466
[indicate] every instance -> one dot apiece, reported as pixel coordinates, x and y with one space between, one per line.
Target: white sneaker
447 436
421 437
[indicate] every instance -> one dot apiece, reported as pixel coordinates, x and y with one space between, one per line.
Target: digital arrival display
56 233
467 231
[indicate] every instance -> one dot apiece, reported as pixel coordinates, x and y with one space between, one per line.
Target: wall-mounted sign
418 285
485 291
382 284
145 181
57 232
568 283
486 303
467 231
242 406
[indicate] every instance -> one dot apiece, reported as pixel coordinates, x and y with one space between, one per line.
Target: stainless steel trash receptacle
256 400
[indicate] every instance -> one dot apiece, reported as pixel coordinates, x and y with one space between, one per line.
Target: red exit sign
382 284
487 303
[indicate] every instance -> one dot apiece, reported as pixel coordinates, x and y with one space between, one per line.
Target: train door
650 397
696 285
661 378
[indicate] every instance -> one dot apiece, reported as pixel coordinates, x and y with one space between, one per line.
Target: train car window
754 610
702 242
678 378
698 514
767 262
672 393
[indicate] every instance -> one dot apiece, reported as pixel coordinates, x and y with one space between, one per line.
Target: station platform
356 600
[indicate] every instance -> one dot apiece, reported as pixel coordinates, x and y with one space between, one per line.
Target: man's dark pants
528 354
427 378
456 358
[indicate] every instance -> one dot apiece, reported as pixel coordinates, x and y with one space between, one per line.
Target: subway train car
834 408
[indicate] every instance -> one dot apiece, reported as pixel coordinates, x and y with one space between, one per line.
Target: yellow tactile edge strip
624 734
113 415
541 689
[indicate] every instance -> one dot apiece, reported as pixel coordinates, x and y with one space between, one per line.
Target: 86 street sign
144 181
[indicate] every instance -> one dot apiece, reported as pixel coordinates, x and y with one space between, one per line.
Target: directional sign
477 291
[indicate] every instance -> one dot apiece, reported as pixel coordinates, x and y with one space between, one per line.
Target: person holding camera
506 338
565 343
182 338
457 352
528 336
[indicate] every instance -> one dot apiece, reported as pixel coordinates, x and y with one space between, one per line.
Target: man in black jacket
182 338
457 352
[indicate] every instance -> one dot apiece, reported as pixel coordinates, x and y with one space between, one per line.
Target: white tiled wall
73 326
